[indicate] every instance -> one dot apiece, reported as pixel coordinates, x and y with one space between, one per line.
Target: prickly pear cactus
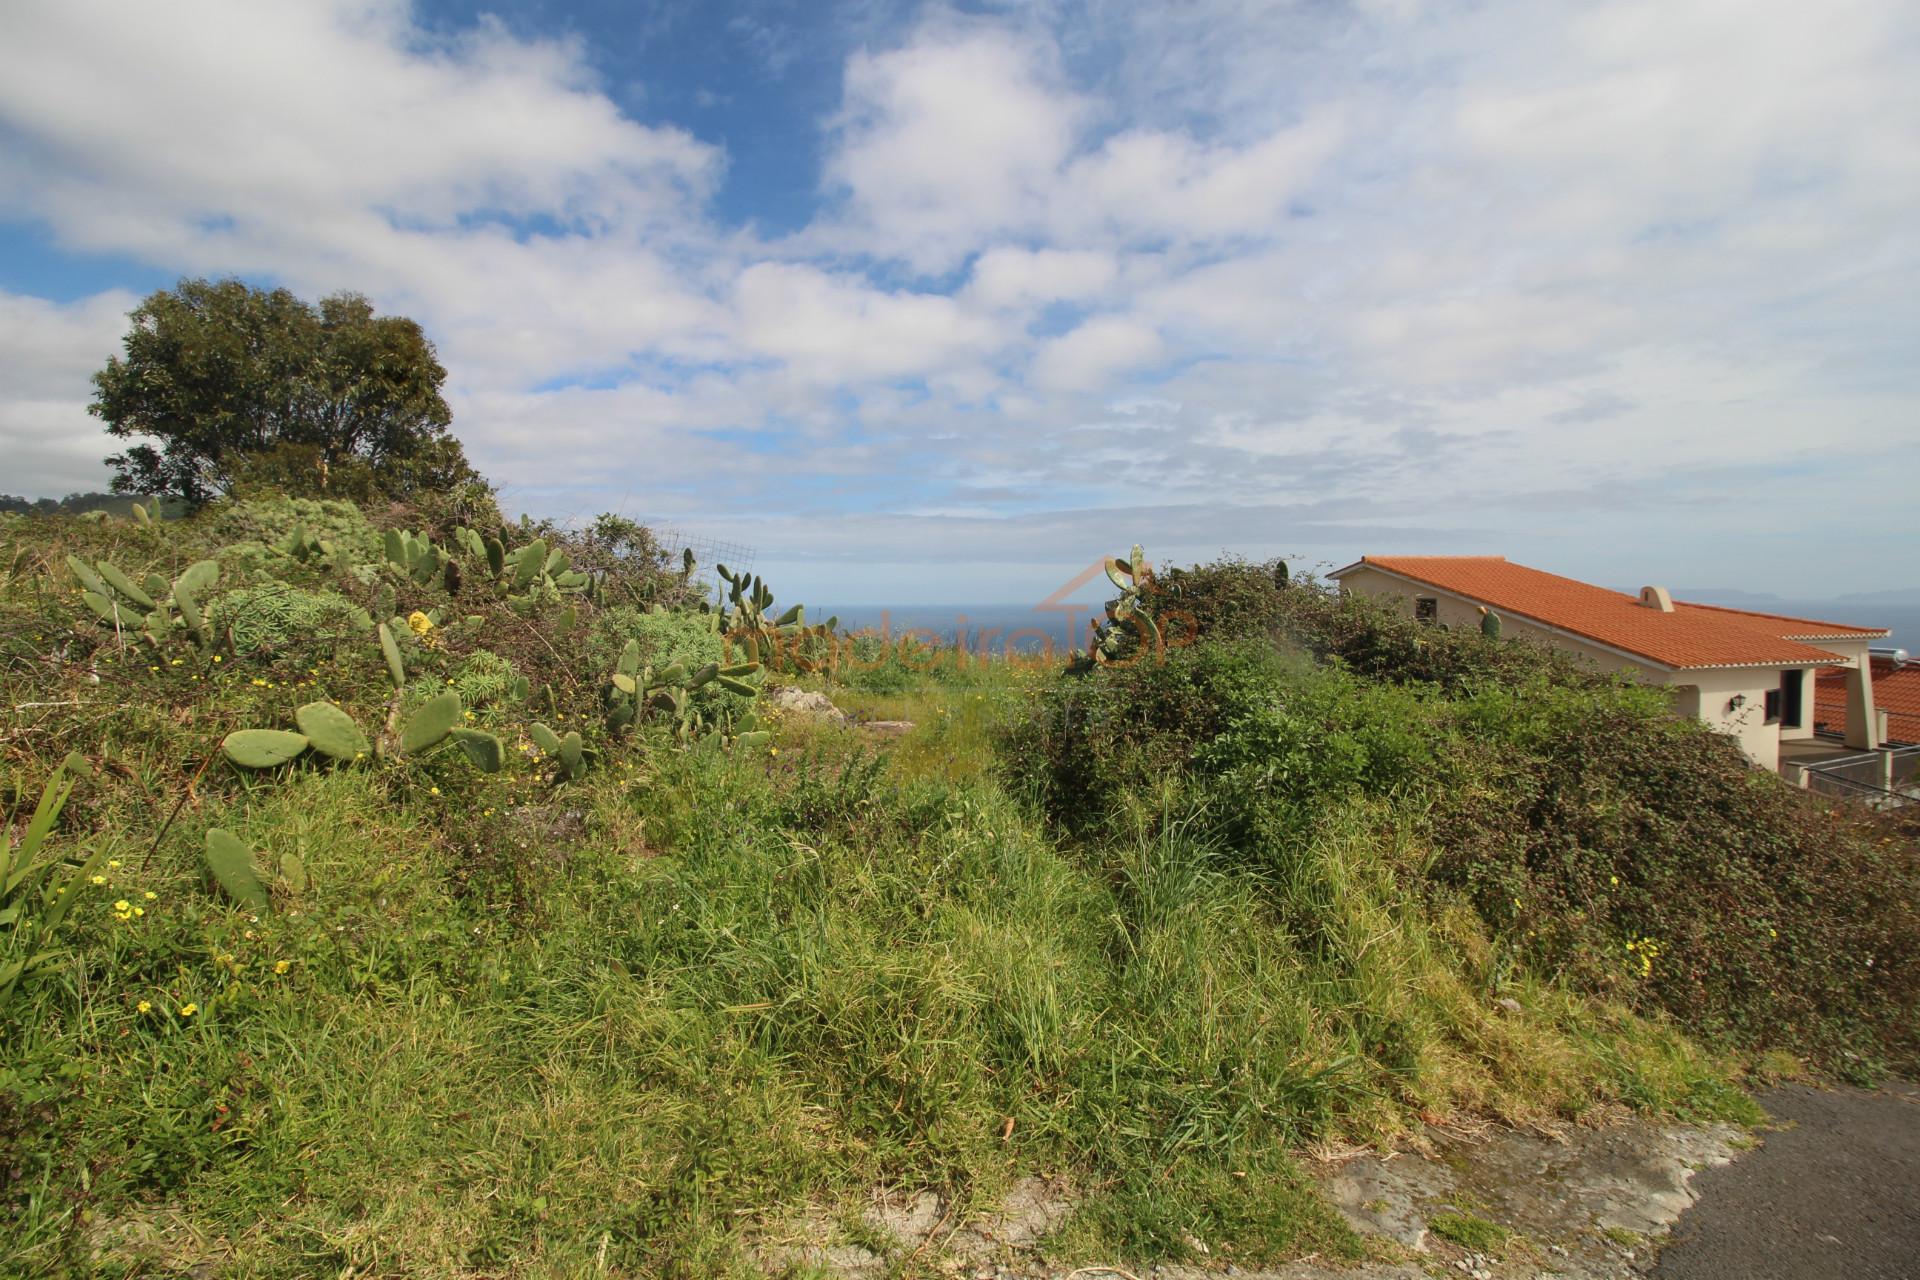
332 732
231 864
263 748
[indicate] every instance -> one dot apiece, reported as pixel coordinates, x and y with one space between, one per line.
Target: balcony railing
1884 779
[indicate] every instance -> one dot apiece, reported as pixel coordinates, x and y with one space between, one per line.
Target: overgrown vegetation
1629 853
670 981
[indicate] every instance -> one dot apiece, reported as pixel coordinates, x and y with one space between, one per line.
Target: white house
1747 674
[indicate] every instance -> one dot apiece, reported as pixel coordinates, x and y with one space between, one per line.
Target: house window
1793 692
1773 706
1426 609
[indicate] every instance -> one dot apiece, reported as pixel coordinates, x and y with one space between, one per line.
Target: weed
1470 1232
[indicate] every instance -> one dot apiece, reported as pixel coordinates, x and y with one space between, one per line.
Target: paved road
1832 1195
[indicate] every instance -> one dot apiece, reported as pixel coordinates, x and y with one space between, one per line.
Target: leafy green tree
225 376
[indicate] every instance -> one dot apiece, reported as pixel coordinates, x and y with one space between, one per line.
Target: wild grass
631 1025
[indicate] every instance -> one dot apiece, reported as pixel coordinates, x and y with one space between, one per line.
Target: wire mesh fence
707 552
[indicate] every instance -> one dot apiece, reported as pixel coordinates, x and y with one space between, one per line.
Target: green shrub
666 639
1234 599
483 680
1636 855
1256 737
1227 599
275 617
1645 858
269 519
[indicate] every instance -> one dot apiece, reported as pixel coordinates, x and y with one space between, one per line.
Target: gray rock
803 702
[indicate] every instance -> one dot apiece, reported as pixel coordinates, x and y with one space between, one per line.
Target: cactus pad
262 748
482 748
391 651
231 863
331 731
431 723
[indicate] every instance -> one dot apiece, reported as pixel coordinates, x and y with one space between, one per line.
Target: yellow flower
123 905
143 1007
216 657
281 966
188 1009
150 896
113 865
176 662
1613 879
419 623
139 911
99 880
433 791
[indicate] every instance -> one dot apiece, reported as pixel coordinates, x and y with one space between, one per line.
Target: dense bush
1250 735
1640 853
1225 599
1600 838
1232 599
269 518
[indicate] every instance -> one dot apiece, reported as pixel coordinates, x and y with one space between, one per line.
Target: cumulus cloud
1089 357
1016 277
47 353
835 330
1604 279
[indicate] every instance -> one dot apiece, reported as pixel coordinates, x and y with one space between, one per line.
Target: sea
981 628
1903 619
988 628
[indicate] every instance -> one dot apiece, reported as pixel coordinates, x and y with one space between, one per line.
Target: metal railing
1884 779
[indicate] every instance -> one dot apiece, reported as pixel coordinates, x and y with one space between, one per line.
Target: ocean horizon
988 627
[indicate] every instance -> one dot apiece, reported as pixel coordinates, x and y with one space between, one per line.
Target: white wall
1713 691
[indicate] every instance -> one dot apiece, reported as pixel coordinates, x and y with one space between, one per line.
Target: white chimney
1656 598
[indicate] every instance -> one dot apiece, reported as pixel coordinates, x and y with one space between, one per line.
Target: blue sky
939 302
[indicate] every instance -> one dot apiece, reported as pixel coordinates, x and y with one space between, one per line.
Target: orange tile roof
1896 692
1693 635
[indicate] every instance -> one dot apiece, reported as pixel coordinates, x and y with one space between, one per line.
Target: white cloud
1093 355
836 330
947 140
47 353
960 138
1151 183
1009 277
309 112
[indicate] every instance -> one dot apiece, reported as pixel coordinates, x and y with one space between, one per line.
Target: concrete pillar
1863 724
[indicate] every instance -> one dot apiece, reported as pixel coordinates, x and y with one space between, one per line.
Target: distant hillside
1900 595
117 504
1728 596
